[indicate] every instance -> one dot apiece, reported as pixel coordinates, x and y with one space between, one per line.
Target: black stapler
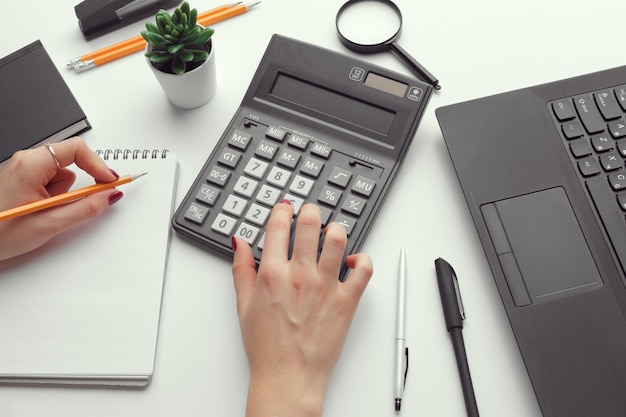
97 17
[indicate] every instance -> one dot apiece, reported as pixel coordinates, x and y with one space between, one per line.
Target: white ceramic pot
191 89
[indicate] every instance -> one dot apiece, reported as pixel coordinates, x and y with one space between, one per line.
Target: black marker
454 315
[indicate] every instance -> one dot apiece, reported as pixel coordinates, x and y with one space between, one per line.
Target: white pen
401 365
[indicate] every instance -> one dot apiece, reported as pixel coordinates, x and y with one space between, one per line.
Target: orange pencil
137 43
65 197
124 44
113 54
206 19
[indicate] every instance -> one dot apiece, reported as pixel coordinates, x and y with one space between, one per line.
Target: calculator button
245 186
353 205
348 222
256 168
207 194
325 213
301 185
298 142
248 232
339 177
296 202
266 150
218 176
223 224
239 140
268 195
288 158
234 205
311 167
196 213
276 133
363 186
261 242
329 196
229 158
257 214
278 177
321 150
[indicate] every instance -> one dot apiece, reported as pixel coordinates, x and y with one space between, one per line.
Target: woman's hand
295 313
39 173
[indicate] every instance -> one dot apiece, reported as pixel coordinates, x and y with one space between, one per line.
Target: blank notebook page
85 307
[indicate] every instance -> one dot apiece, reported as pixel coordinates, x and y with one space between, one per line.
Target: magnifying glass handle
416 66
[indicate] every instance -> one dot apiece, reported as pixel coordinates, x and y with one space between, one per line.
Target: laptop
543 171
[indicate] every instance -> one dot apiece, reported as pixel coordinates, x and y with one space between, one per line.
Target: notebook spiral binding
108 154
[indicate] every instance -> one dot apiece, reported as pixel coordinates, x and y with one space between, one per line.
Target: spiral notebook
84 308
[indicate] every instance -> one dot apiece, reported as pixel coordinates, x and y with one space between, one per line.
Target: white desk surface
475 48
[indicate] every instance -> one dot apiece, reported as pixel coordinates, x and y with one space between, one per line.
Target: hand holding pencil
67 197
39 174
137 43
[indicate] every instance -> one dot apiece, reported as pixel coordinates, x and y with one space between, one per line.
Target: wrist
281 395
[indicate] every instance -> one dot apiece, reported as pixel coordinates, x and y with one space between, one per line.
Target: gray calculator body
314 126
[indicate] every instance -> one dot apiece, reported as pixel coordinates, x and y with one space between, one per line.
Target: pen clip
457 291
406 365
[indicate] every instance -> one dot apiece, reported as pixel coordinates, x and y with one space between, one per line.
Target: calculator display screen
333 104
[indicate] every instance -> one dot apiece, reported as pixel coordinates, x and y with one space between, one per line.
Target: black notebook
36 104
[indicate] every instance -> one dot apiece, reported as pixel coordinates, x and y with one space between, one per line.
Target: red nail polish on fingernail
234 243
115 197
114 173
285 201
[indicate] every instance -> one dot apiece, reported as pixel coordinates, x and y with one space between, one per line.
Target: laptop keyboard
593 129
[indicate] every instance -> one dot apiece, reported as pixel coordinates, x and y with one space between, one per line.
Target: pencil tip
134 177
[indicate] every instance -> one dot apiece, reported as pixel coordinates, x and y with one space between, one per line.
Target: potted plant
181 54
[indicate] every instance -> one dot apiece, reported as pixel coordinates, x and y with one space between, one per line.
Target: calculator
314 126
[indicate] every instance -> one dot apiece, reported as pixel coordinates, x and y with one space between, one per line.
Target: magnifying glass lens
368 22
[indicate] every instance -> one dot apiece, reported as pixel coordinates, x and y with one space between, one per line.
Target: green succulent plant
176 38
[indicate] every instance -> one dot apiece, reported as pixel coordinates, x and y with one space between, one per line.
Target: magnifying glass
370 26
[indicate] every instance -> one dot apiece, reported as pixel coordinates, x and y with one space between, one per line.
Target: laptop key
572 129
580 148
607 103
589 114
611 161
621 147
618 129
620 93
589 167
618 181
563 110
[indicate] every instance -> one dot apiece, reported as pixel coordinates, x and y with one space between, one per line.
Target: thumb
244 273
362 270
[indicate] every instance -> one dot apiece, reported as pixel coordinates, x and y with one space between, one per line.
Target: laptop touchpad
541 248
